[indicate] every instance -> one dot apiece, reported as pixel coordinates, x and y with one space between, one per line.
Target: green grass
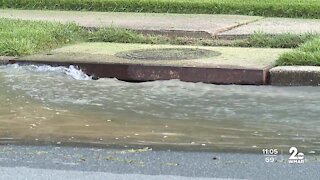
277 8
308 54
25 37
19 37
276 41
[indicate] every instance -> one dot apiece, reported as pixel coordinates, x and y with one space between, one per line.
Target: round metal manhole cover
167 54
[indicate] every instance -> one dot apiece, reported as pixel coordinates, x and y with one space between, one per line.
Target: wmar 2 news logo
296 156
271 156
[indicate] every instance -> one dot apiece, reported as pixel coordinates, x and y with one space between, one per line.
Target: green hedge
277 8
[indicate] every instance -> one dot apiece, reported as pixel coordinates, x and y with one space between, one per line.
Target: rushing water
62 105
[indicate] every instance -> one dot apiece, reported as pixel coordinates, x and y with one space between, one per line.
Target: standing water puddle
57 104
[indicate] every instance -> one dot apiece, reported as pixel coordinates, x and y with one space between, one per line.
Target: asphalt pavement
53 162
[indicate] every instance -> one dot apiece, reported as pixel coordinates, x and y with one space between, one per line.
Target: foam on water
71 71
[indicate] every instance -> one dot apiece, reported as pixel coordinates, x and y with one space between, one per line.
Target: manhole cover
167 54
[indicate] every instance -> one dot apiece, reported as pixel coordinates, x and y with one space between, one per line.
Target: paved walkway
174 24
190 25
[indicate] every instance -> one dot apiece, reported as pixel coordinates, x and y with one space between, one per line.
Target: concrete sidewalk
167 24
204 26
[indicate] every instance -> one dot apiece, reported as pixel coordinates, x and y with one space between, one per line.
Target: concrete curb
295 76
277 76
5 59
142 73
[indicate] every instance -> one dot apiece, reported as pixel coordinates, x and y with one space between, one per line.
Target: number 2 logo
294 154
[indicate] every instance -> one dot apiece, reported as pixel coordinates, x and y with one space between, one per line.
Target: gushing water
70 71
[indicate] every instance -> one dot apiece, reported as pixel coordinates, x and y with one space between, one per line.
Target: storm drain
167 54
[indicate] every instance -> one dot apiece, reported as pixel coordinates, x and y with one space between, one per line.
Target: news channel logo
272 155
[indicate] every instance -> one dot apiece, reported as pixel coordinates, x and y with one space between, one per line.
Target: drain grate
167 54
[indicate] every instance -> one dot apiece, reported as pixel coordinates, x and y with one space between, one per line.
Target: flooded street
62 105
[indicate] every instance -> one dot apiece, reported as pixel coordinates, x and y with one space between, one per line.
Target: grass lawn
276 8
307 54
25 37
19 37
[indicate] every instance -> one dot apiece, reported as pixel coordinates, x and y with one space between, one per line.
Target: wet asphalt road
50 162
